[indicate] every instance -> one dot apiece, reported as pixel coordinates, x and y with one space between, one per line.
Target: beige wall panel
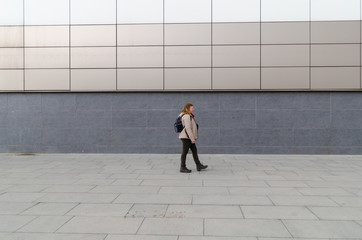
47 79
236 78
93 35
188 79
93 57
11 58
236 56
132 35
46 36
336 32
236 33
187 34
335 78
195 56
336 55
140 57
11 80
285 78
11 36
47 58
285 55
93 79
285 33
140 79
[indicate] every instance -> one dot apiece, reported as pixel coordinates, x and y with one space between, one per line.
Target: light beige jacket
190 126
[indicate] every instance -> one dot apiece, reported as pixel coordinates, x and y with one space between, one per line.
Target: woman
188 137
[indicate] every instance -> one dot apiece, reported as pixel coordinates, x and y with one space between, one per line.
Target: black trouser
186 145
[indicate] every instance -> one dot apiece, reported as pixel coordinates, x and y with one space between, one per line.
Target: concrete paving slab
10 223
78 197
172 226
53 236
54 209
100 209
138 237
337 213
47 224
348 201
201 211
245 228
147 210
12 208
106 225
231 200
277 212
324 229
302 201
154 198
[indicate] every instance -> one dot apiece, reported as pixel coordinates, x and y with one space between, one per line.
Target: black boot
183 169
200 167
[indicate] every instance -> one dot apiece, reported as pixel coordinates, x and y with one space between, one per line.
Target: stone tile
54 236
231 200
89 181
107 225
302 201
126 189
127 182
9 223
286 183
164 176
154 198
45 224
245 228
216 238
337 213
277 212
348 201
78 198
172 226
324 192
138 237
124 176
100 210
263 191
171 182
295 238
47 181
21 197
200 211
27 188
194 190
69 189
233 183
323 229
147 210
10 208
55 209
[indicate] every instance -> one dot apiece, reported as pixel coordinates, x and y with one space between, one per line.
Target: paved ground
144 197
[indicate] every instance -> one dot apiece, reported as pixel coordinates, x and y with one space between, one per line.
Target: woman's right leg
186 143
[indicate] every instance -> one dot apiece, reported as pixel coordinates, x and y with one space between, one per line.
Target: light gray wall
234 122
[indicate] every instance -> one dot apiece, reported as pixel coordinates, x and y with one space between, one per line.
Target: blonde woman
188 137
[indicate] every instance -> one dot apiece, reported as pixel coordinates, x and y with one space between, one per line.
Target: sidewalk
144 197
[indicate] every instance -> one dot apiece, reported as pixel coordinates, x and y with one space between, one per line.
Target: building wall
233 122
173 45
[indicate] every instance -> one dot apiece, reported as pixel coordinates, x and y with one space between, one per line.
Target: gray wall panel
234 122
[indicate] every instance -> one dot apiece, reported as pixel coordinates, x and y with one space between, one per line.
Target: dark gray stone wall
230 122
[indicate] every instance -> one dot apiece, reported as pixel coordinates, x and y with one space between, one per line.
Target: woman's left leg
199 166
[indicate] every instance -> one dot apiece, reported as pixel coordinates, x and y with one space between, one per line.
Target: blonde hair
186 109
